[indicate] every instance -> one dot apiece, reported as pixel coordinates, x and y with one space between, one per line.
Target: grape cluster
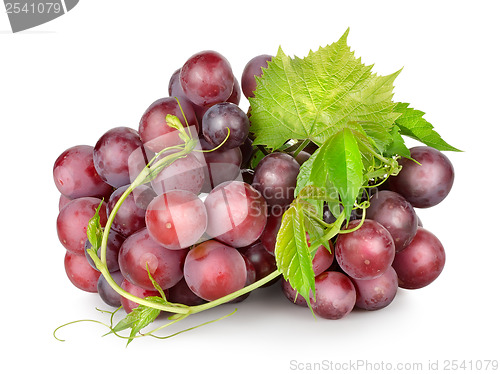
206 225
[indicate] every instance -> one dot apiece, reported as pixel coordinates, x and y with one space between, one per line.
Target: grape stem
179 311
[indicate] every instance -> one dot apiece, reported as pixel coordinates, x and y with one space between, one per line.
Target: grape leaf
340 157
293 257
140 317
412 124
397 145
312 98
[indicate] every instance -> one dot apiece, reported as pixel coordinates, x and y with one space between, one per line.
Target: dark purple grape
153 128
213 270
75 175
421 262
180 293
375 294
140 253
73 219
275 178
365 253
206 78
112 153
252 69
106 292
335 295
80 273
427 184
176 219
396 214
113 246
130 217
246 151
270 232
263 262
218 119
237 213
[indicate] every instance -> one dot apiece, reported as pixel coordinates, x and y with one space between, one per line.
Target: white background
68 81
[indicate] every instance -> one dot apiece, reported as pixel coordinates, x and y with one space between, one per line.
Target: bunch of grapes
206 224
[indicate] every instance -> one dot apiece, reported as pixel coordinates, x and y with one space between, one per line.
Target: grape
112 152
108 294
153 128
176 219
246 151
80 273
139 253
218 119
236 213
63 200
130 216
421 262
174 85
252 69
270 232
367 252
75 175
128 305
186 173
375 294
263 262
73 219
206 78
302 157
213 270
275 178
291 294
396 214
222 165
427 184
335 295
251 278
323 258
236 94
180 293
113 246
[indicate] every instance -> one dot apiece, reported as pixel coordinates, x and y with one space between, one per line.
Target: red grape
176 219
213 270
367 252
139 253
236 213
374 294
75 175
335 295
73 219
427 184
80 273
206 78
421 262
396 214
252 69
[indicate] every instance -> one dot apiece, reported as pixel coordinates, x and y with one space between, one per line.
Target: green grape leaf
412 124
293 257
312 98
94 229
340 159
140 317
397 145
